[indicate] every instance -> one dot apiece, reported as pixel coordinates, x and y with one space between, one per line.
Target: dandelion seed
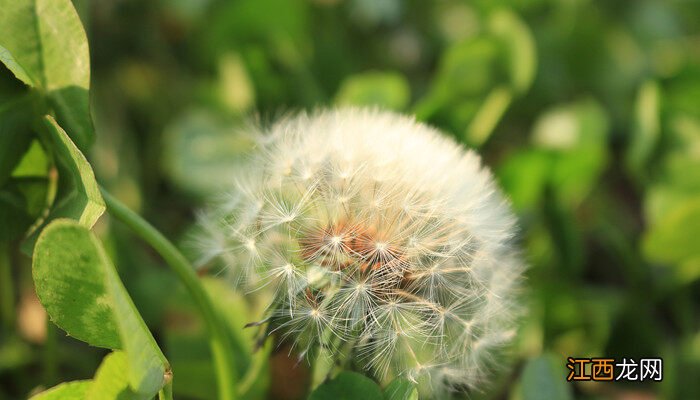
370 229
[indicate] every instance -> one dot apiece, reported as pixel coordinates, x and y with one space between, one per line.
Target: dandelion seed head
367 227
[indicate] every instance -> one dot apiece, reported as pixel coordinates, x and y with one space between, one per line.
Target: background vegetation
588 112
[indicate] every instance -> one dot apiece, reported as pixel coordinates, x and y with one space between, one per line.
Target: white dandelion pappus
371 229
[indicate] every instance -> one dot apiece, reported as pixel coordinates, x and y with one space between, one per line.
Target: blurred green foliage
587 111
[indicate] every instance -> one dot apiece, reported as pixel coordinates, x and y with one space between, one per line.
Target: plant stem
50 354
167 392
220 345
325 360
7 301
490 112
322 366
253 373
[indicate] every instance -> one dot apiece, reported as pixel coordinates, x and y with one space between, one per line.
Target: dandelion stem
220 345
256 368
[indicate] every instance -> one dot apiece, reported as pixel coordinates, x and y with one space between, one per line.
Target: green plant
44 45
586 111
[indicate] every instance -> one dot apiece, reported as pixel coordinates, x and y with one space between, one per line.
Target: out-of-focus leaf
236 313
81 291
44 44
645 133
23 196
236 91
466 70
524 176
188 346
543 379
76 390
34 162
566 234
519 45
676 237
78 194
348 386
14 354
661 200
203 152
681 367
111 380
15 132
14 215
468 89
401 389
190 355
576 135
633 317
385 89
233 23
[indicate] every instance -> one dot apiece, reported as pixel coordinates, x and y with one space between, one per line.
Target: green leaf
14 212
401 389
78 194
81 291
11 64
385 89
15 354
111 380
524 175
576 136
188 350
676 237
15 132
519 45
44 44
70 282
348 386
466 70
542 380
236 91
200 153
75 390
645 134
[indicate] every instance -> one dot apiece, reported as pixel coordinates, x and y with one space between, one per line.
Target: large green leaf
44 44
348 386
70 282
81 291
78 194
75 390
